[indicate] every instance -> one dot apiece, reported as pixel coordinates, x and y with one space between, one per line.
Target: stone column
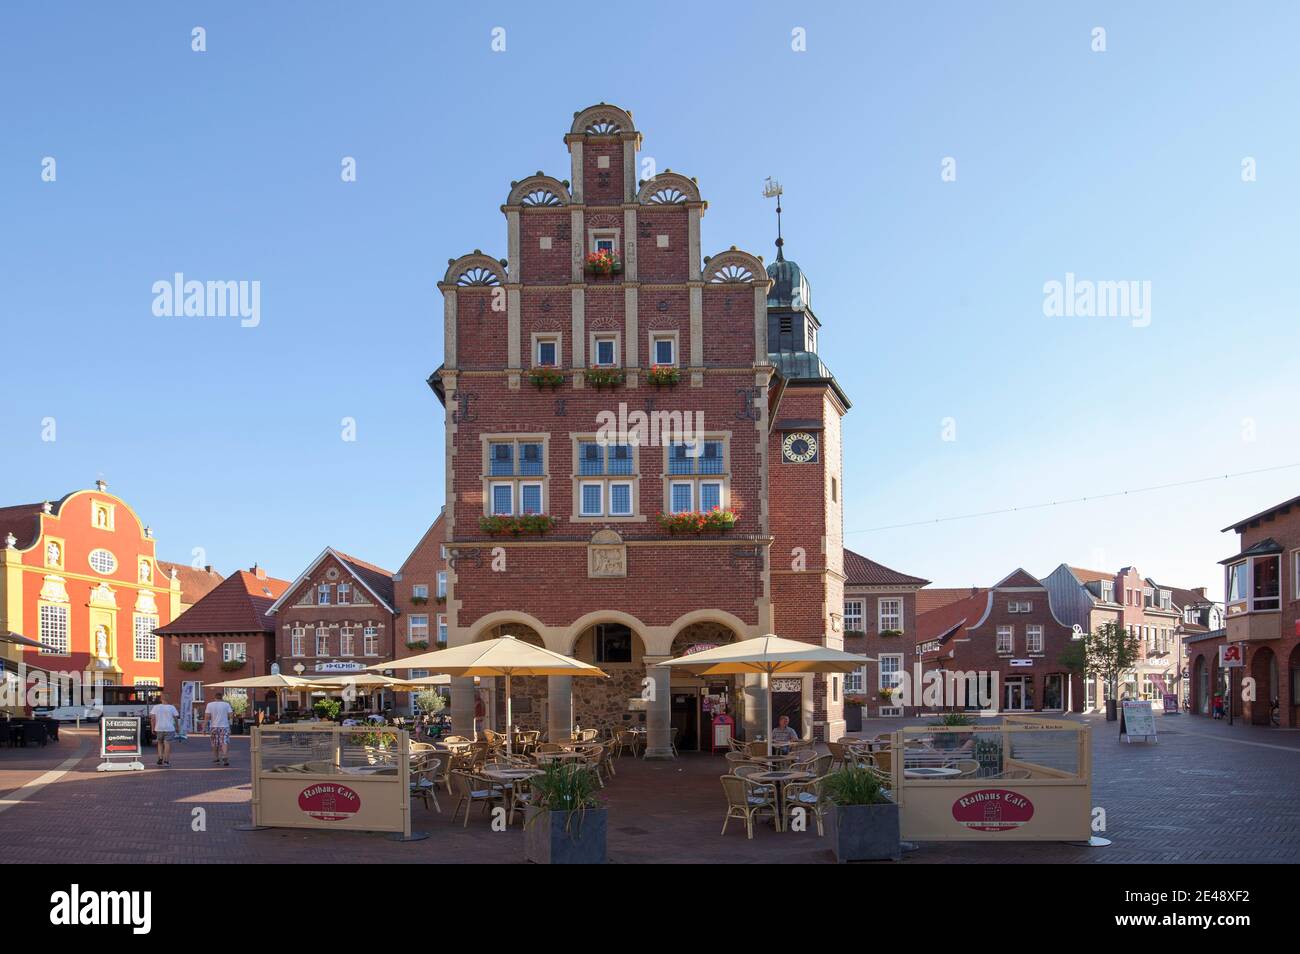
756 719
559 705
657 692
462 706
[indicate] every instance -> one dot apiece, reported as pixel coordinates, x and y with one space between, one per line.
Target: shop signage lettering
699 648
329 802
992 809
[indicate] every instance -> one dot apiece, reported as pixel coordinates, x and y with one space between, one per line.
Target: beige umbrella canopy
771 656
266 682
503 656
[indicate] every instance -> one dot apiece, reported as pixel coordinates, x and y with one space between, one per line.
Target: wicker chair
746 800
424 781
838 750
819 766
469 789
808 797
593 758
1014 774
969 768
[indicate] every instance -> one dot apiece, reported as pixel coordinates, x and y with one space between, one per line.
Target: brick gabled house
1010 630
227 634
196 582
420 597
1262 617
604 319
338 616
880 610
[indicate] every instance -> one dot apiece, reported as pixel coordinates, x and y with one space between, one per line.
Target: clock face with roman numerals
799 447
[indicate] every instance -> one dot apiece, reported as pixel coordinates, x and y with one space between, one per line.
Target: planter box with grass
862 823
864 832
564 838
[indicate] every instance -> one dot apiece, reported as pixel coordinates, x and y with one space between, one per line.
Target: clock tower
806 483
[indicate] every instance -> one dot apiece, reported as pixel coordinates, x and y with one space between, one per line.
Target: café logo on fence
329 802
992 809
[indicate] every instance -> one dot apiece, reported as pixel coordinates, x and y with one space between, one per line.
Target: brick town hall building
541 350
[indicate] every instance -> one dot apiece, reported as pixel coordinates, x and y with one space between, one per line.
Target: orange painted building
81 576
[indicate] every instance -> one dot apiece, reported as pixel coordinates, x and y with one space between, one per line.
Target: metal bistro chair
746 800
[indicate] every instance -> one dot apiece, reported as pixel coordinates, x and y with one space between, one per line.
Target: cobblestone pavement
1206 792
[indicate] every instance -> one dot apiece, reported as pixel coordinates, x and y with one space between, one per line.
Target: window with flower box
515 478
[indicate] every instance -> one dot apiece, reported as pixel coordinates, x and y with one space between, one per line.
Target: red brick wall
420 568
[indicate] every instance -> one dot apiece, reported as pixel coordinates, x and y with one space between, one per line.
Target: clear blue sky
1122 165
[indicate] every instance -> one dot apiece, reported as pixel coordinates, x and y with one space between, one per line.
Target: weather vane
772 190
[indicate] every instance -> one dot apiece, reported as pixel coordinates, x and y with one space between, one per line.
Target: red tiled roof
928 600
237 604
23 521
375 577
940 622
196 582
860 571
1092 576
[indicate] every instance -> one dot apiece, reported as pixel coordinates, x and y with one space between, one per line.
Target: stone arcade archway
617 647
528 694
695 699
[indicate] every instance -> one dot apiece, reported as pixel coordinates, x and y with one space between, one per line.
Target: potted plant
419 600
546 378
603 262
886 693
566 824
854 705
231 665
950 740
863 820
188 665
663 375
417 644
891 632
604 378
328 709
538 523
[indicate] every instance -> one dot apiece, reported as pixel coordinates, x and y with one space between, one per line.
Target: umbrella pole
509 732
767 681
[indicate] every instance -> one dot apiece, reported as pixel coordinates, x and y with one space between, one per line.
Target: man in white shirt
162 717
217 713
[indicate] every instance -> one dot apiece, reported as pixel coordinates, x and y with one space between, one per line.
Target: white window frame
599 338
323 594
492 498
192 652
541 495
198 688
854 614
631 498
145 637
671 339
415 630
420 591
442 629
347 641
1107 591
231 652
881 615
442 585
892 683
53 630
690 487
1009 632
298 642
555 341
596 236
322 633
343 594
1034 634
582 498
370 640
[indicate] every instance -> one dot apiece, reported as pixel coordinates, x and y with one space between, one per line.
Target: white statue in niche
144 571
52 554
101 642
101 517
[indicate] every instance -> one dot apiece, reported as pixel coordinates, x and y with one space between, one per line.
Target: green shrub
854 785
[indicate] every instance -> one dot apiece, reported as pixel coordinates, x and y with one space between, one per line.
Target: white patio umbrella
771 656
504 656
276 681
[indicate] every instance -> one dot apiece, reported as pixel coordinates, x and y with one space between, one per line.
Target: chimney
257 571
208 568
974 591
1200 591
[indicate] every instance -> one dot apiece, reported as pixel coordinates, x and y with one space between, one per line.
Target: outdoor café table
931 771
778 780
509 778
544 757
773 761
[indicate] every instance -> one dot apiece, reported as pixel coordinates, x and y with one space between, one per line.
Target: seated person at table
783 732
